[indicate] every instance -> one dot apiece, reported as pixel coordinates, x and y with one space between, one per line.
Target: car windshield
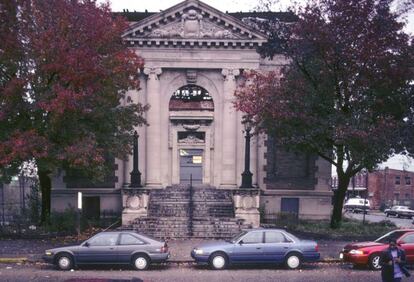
392 235
237 237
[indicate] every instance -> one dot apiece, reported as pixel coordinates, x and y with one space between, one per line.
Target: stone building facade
194 49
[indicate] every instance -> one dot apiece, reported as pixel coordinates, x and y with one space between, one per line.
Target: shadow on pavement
155 267
104 280
261 266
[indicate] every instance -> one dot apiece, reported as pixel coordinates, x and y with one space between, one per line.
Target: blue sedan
258 246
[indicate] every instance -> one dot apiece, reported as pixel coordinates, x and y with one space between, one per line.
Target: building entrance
191 166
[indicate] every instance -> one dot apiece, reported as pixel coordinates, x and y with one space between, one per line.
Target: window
407 196
407 180
397 180
253 238
191 97
106 239
392 235
275 237
128 239
409 239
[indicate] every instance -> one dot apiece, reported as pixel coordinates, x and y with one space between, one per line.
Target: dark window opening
188 135
91 207
191 97
407 180
397 180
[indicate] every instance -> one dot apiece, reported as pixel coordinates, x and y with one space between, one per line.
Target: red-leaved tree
345 93
64 70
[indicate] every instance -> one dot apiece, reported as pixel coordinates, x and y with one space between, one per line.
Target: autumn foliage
64 70
345 91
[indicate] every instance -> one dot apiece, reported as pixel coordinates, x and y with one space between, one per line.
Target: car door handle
258 248
285 247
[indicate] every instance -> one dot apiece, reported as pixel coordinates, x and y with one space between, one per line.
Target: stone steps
170 209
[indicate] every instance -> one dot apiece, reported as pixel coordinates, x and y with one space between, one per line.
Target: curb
13 260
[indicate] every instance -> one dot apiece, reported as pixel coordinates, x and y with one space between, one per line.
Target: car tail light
164 249
316 248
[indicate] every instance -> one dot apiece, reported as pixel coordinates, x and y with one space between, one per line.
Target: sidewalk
32 250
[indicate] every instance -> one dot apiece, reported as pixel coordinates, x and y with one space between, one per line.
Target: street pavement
187 272
379 216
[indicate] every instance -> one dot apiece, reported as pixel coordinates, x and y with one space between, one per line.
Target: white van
357 205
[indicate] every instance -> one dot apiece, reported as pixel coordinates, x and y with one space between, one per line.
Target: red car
368 253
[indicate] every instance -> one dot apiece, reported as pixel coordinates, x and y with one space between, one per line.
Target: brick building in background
385 187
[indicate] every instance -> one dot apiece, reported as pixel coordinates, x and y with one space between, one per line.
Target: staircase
180 212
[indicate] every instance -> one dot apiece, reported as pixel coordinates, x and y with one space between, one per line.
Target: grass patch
349 228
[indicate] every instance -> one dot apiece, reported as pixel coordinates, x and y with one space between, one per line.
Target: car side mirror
241 242
86 244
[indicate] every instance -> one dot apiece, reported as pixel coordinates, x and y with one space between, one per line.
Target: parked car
399 211
368 253
258 246
357 205
122 247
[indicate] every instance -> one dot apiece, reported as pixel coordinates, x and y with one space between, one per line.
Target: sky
222 5
397 162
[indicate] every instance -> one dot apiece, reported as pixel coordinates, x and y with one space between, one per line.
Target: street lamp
135 173
247 175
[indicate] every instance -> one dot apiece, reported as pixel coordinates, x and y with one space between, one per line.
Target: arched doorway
191 114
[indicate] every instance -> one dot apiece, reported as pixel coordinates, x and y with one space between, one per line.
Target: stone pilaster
229 144
153 161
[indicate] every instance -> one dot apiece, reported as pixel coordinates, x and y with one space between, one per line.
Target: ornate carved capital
152 73
230 74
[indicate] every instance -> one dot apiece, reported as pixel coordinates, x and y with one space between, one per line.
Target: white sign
80 200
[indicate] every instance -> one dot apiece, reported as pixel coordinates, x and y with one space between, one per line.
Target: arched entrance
191 110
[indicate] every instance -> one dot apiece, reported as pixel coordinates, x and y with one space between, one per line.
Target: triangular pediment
193 22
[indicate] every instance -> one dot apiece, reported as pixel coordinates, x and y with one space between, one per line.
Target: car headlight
48 253
198 251
356 252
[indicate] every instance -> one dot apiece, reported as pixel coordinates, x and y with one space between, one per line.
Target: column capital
152 71
230 74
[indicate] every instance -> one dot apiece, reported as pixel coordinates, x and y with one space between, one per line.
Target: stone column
229 137
175 157
153 160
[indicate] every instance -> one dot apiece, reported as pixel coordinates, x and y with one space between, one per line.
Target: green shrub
348 228
63 222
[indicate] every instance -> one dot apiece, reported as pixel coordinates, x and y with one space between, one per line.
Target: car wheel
374 262
293 261
140 262
218 261
64 262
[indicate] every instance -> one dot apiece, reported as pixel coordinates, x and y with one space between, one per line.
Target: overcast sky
397 162
222 5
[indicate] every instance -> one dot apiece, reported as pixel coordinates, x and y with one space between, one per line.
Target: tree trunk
45 187
336 218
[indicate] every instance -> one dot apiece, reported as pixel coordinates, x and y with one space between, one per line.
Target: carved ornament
191 139
192 25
